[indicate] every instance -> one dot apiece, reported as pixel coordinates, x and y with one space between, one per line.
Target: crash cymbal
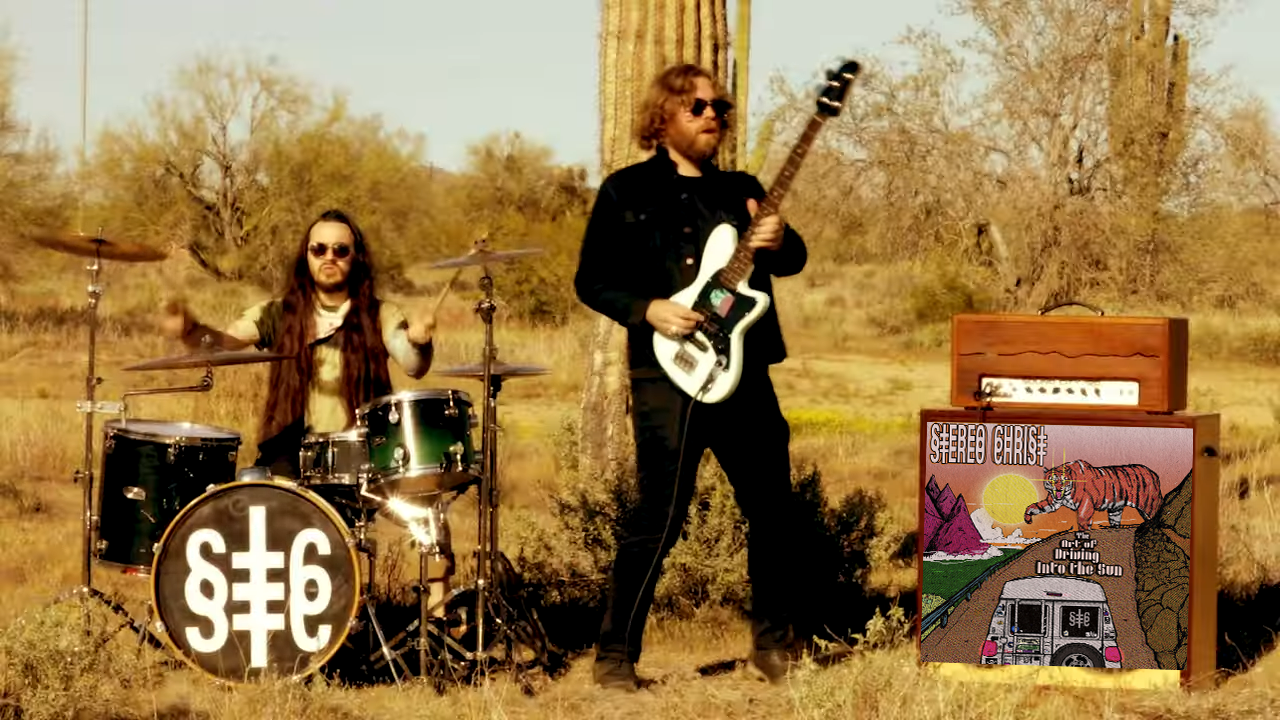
499 368
486 257
210 359
77 243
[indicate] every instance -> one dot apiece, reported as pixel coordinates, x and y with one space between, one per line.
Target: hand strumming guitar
671 318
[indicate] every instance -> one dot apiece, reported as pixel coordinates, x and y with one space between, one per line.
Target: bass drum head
256 579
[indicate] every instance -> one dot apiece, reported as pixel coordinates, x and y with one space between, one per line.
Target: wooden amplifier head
1083 362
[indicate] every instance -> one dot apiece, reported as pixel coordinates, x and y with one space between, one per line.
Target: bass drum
256 579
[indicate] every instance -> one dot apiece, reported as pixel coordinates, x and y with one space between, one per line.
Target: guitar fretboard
739 266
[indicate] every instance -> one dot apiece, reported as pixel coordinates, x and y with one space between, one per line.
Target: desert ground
851 394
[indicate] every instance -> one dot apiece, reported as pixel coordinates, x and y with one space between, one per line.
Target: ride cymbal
77 243
210 359
498 368
486 257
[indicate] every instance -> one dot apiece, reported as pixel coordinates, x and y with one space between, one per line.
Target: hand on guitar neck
766 233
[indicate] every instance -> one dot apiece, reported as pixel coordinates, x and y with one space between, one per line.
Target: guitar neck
739 265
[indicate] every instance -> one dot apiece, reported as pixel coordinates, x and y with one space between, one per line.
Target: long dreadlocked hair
364 357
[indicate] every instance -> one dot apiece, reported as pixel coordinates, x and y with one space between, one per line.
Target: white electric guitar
707 364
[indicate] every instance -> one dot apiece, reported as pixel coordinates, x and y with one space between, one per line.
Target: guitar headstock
837 88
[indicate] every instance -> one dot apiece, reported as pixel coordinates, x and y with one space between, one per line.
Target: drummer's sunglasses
340 250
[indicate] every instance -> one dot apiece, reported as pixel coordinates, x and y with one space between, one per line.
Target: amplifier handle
1050 308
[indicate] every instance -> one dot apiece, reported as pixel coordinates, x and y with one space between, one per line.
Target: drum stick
445 292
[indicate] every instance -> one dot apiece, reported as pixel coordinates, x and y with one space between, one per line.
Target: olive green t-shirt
325 409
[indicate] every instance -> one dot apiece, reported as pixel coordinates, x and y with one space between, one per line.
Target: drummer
330 306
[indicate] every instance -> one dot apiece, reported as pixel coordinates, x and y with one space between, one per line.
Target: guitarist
642 244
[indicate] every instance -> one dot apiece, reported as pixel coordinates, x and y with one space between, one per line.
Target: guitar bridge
685 361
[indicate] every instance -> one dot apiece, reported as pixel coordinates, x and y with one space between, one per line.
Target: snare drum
419 442
337 458
336 466
151 469
255 579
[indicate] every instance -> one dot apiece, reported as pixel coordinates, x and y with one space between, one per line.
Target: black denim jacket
642 235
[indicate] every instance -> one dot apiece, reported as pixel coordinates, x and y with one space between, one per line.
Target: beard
336 283
697 147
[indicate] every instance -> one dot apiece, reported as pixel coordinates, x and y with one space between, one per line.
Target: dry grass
851 391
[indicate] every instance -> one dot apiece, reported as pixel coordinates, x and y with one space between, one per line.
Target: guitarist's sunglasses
720 106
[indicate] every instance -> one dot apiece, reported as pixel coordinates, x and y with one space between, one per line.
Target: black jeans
750 438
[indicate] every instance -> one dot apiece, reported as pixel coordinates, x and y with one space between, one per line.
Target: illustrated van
1052 620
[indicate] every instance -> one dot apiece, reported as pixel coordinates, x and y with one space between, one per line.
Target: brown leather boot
615 674
775 663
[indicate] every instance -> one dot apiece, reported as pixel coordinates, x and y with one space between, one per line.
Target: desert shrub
566 563
54 665
930 292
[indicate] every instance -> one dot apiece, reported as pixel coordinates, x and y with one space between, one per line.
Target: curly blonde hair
672 88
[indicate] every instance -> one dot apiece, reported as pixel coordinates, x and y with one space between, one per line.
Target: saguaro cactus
638 38
1146 114
740 75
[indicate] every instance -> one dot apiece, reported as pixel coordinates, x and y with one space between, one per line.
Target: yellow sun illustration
1007 496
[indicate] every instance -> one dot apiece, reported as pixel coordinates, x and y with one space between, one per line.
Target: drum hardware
98 248
368 546
491 371
205 385
431 533
139 628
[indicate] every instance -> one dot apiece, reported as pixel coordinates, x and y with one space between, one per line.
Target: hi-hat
498 369
482 257
77 243
210 359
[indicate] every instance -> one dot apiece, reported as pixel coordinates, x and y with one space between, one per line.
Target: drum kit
254 575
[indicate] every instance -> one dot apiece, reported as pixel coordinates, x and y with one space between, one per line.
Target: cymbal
486 257
210 359
77 243
498 368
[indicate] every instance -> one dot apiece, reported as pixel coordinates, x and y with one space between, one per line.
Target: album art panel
1056 545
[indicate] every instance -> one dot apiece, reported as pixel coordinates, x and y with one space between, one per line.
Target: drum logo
257 590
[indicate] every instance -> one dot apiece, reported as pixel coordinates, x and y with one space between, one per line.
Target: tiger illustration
1087 489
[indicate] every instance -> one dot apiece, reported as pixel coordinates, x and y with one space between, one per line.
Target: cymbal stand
518 623
90 406
488 522
205 385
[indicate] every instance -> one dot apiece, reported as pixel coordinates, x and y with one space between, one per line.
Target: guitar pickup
694 341
685 361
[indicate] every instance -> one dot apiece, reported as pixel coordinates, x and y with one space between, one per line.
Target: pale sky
459 70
